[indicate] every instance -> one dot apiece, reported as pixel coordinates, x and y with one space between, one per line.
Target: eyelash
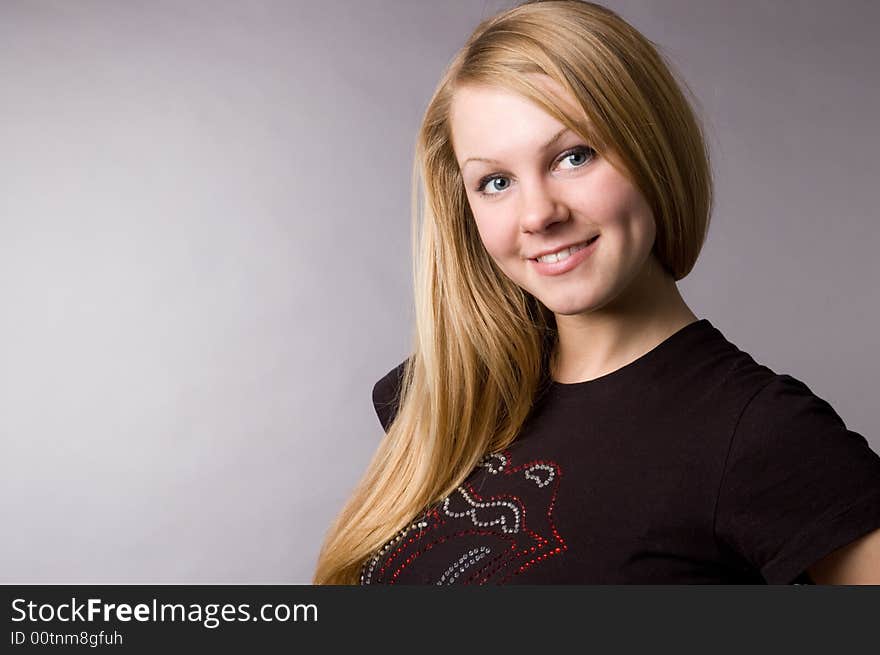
568 153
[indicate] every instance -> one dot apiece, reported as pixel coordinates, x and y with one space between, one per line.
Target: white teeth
561 255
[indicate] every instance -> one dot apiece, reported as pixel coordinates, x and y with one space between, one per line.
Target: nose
540 208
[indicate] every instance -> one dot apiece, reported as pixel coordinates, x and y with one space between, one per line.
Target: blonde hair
482 344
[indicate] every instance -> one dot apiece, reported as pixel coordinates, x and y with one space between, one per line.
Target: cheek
613 207
623 211
497 237
500 242
640 223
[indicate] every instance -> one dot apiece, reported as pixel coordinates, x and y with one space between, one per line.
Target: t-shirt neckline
633 367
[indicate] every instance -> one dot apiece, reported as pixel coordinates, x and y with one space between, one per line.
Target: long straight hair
481 344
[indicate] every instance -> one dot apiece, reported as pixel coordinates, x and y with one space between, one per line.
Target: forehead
487 121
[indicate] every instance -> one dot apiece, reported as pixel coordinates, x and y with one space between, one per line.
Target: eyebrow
552 140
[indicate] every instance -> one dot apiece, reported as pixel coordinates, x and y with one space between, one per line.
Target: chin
586 300
571 308
573 312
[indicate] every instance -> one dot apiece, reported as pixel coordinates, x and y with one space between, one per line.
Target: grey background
204 253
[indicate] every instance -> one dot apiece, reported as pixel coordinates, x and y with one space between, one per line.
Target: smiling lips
564 260
552 256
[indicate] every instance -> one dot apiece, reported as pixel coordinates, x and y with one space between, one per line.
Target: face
547 189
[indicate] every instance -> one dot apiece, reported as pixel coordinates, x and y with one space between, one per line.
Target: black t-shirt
691 464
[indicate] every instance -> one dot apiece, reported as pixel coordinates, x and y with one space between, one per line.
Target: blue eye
577 153
492 181
582 152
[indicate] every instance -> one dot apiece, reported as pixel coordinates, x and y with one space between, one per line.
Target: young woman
564 416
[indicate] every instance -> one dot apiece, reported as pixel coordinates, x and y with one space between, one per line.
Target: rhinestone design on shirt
470 558
503 534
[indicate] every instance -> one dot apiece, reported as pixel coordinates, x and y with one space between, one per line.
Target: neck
599 342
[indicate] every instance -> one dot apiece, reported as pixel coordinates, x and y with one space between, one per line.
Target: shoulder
766 405
781 406
784 426
702 364
797 483
386 395
753 392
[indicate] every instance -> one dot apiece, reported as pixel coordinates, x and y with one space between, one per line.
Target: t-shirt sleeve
386 394
797 483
